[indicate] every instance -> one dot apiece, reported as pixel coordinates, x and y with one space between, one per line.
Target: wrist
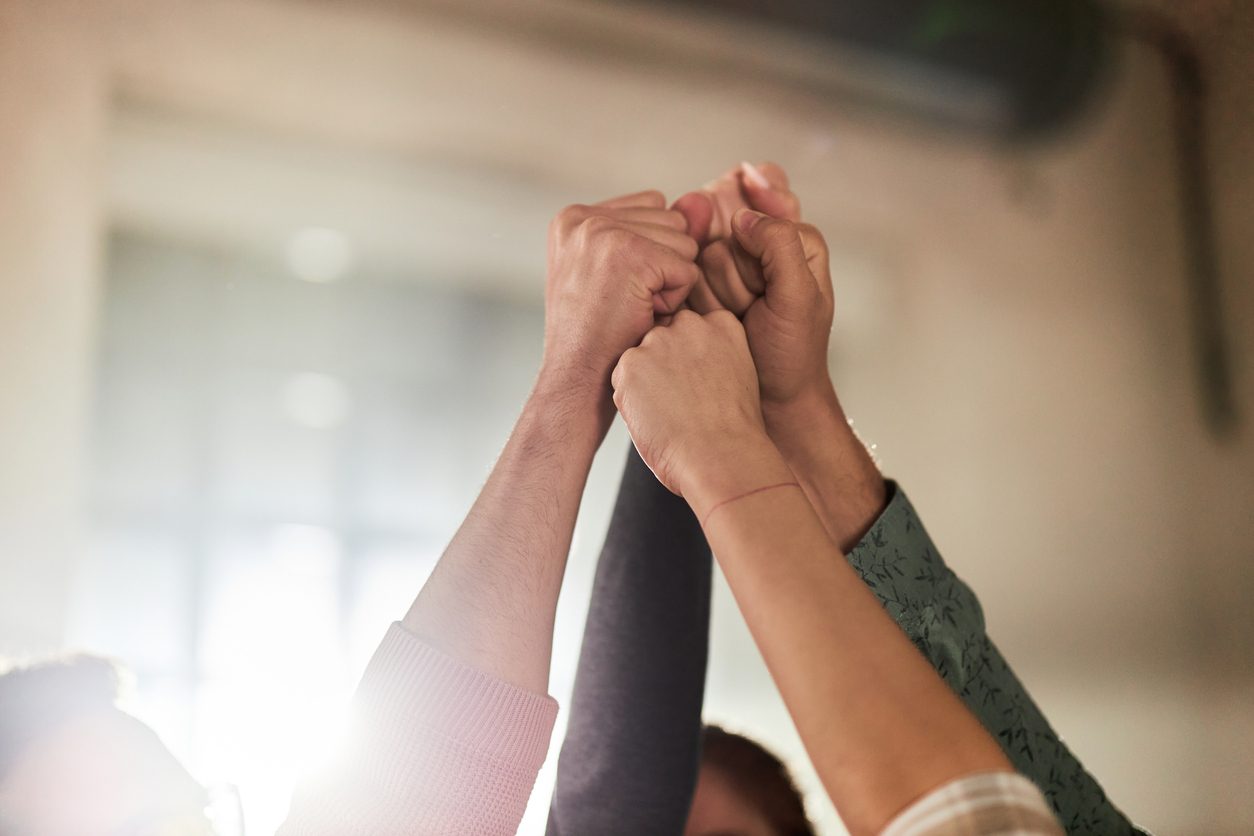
734 469
832 464
577 387
574 401
789 423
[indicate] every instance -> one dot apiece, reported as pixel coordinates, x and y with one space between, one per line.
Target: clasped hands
709 320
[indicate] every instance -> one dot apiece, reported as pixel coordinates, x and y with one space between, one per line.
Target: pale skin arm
492 597
881 727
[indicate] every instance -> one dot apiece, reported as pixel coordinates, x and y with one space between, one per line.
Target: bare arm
787 318
491 599
881 727
452 721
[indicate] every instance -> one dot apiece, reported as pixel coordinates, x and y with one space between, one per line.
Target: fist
689 397
762 187
774 274
613 267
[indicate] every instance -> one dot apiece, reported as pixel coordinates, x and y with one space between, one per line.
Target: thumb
766 190
698 211
777 245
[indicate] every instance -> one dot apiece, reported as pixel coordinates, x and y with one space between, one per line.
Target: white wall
52 106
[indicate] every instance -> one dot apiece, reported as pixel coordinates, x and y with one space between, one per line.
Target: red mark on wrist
738 497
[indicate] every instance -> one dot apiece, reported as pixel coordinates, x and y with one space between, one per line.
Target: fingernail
746 219
754 175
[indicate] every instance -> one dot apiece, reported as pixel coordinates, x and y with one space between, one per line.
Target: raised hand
762 187
689 397
613 267
773 273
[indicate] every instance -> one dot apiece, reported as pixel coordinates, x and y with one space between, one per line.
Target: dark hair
36 699
758 776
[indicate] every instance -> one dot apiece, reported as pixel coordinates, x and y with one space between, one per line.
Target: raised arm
632 750
787 324
453 723
880 726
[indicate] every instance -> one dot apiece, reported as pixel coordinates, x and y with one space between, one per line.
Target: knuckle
812 239
685 319
654 197
618 376
716 256
571 215
779 232
675 218
597 224
689 272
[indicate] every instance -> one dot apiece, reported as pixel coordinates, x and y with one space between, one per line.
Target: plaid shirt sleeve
1000 803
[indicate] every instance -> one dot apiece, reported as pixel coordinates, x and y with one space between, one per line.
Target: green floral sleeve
942 616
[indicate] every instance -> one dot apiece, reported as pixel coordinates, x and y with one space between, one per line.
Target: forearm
491 599
834 468
629 761
881 728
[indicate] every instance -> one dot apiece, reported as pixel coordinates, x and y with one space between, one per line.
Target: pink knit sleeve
438 747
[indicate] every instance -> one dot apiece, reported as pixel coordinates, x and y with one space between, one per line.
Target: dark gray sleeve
943 618
629 762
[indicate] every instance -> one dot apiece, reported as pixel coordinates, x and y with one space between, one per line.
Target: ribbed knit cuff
987 802
423 687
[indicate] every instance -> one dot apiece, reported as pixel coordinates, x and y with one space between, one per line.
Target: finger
575 214
776 243
679 242
674 279
669 302
819 258
698 211
726 197
775 175
722 276
769 194
652 199
702 300
648 215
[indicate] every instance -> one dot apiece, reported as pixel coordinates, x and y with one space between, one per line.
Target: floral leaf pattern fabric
943 618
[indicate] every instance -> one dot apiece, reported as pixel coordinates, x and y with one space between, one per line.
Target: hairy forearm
881 728
831 463
490 600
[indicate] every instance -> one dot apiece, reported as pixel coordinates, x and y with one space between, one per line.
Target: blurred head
744 790
72 762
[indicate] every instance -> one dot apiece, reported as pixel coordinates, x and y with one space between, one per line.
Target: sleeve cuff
417 686
899 563
978 805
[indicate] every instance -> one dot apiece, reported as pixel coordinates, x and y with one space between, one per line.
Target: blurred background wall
270 292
